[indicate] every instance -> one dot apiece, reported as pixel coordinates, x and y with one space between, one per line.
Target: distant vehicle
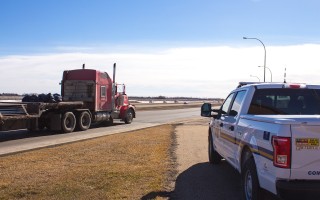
270 133
88 96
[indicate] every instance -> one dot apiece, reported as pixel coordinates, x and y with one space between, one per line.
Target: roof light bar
295 86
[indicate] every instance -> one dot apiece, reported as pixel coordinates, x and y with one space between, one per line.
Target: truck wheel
129 117
68 122
83 121
214 156
249 180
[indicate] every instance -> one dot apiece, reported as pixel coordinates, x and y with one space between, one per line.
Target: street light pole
269 71
265 55
255 77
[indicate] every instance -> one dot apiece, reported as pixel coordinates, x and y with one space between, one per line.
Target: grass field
132 165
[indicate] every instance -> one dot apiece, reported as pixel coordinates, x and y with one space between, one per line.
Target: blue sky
123 30
37 25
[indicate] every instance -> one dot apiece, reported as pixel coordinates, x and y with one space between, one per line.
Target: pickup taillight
281 151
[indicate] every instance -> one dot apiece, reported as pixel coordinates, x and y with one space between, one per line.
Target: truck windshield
285 101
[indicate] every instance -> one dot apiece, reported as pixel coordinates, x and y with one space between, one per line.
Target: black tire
68 122
214 156
249 181
129 117
83 121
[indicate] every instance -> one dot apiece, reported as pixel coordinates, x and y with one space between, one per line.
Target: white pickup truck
270 133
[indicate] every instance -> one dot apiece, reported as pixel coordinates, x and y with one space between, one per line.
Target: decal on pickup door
255 149
307 143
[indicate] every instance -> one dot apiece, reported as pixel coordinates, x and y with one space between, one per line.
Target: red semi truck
88 96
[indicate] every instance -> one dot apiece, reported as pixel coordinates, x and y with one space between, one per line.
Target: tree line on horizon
160 97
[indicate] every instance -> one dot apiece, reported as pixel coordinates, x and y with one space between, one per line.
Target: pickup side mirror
206 110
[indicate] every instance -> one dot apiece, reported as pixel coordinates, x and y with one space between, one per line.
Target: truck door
105 98
229 125
221 125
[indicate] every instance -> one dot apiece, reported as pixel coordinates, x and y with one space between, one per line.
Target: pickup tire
249 181
214 156
68 122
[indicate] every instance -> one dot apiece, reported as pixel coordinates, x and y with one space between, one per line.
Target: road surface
22 140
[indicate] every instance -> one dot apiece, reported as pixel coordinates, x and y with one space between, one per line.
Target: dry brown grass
123 166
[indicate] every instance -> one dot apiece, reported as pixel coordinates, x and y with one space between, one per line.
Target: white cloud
199 72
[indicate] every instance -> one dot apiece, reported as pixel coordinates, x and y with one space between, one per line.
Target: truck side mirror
206 110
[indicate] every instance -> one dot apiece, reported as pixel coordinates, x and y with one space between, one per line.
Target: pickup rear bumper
298 189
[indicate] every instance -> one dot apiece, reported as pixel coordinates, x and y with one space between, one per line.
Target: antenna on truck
285 75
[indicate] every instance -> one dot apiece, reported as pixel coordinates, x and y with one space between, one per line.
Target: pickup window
285 101
233 102
237 103
226 104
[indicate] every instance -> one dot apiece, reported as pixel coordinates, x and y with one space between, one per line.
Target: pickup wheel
249 181
68 122
214 156
83 121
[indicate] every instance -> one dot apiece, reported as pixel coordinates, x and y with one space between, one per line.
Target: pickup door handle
231 128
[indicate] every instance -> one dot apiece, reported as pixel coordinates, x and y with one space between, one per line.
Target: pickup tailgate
305 161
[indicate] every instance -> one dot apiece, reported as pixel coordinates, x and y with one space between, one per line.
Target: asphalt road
22 140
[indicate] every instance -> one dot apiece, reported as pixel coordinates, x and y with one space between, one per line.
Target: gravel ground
196 178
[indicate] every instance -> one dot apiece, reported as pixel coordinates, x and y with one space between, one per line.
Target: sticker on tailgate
307 143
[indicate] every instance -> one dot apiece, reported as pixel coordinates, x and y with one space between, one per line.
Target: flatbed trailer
34 115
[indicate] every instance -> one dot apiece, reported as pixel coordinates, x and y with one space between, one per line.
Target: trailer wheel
83 121
129 117
68 122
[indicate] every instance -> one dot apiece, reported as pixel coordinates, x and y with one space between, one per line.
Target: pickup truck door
228 123
223 123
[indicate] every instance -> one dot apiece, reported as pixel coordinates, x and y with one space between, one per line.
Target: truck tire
68 122
249 181
214 156
129 117
83 121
